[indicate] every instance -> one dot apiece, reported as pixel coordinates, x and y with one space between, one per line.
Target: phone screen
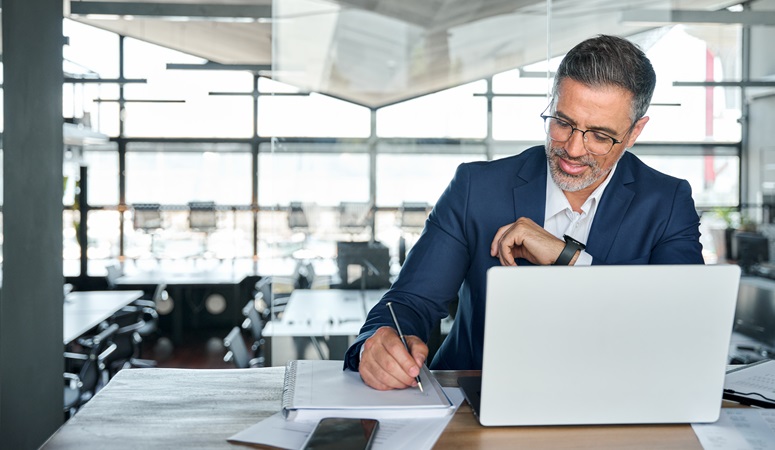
342 434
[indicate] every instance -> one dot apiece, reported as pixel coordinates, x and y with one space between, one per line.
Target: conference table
190 289
83 310
201 408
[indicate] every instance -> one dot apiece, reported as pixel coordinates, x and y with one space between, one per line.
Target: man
580 199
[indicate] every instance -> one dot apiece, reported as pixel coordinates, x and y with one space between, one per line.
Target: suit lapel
612 209
530 190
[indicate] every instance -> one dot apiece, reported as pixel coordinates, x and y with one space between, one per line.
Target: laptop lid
605 344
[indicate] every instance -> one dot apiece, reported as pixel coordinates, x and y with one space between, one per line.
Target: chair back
237 350
114 273
127 339
100 347
253 320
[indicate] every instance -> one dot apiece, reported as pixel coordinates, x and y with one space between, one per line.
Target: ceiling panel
379 52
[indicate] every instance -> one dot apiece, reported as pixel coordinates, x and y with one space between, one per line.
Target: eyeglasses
595 142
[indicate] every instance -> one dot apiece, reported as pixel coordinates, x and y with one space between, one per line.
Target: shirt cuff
584 259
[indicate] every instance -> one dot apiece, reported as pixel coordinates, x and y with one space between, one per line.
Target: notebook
314 389
604 344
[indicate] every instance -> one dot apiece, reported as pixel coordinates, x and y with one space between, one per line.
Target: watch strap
571 247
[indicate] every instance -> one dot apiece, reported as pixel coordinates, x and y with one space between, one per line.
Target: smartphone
342 434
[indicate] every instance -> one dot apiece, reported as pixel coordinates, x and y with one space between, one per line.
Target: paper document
753 384
314 389
739 429
392 433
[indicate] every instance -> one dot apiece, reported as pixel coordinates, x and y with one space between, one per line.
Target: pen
403 339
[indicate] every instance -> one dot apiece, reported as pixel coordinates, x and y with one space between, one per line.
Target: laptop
604 345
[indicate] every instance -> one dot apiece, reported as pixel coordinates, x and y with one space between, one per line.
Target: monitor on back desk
604 344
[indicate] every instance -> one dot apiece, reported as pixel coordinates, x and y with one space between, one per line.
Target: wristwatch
571 246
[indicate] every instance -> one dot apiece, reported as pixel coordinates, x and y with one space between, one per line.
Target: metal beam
263 94
660 17
740 84
218 66
170 10
104 80
137 100
535 74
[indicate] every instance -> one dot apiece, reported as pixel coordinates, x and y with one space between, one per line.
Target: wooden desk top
190 408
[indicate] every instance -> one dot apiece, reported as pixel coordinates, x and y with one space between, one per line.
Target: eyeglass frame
584 134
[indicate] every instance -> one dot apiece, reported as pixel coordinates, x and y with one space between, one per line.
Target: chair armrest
150 312
73 380
144 303
105 353
76 356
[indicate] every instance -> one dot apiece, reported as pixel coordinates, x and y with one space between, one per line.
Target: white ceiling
374 52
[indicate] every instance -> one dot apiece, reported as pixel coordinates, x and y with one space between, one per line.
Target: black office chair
411 221
147 219
237 350
354 217
254 323
128 341
114 272
274 300
147 308
297 217
86 372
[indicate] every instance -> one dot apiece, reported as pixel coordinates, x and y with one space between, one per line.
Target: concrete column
31 396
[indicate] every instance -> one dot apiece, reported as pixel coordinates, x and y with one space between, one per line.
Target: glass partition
367 105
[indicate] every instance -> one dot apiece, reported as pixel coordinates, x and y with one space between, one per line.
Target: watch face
570 240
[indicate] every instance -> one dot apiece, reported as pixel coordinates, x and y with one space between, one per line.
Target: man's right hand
385 363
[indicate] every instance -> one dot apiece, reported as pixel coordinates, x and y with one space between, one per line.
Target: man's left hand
526 239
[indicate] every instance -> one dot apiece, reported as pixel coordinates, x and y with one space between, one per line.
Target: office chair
354 217
254 323
147 218
147 309
297 217
411 220
273 292
202 217
237 350
86 371
114 273
128 341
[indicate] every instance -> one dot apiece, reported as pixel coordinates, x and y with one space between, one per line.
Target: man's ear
636 130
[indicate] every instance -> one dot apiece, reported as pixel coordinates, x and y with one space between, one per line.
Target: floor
203 349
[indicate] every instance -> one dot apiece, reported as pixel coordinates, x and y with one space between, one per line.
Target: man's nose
575 145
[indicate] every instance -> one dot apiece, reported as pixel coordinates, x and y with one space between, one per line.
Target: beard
573 183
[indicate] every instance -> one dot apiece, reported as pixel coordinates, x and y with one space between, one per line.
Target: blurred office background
254 139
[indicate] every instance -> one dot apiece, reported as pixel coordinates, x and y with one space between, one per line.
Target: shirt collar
556 201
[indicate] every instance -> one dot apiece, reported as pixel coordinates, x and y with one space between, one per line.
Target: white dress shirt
560 218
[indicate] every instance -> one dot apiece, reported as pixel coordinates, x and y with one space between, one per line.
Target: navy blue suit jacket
644 217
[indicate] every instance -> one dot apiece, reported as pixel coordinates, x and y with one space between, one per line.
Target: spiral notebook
314 389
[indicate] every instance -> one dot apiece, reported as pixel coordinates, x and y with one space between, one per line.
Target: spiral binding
289 385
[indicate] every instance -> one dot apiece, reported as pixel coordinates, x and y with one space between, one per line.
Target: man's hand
385 364
526 239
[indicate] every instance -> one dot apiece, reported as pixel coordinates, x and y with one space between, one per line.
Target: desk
200 408
324 312
83 310
336 314
182 286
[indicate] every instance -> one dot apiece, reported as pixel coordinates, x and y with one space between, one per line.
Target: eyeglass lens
594 141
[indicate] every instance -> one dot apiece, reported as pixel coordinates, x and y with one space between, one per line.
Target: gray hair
610 60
